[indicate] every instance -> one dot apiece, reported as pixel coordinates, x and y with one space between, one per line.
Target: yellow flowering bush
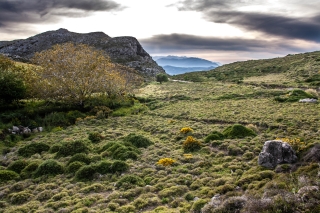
188 156
166 161
295 143
191 144
186 130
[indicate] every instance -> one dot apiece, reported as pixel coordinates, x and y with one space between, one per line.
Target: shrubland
193 147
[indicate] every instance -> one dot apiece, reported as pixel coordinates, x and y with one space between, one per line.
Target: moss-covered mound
238 131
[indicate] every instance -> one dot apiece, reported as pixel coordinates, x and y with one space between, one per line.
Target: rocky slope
123 50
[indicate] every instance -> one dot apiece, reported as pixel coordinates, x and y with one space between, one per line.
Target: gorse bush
119 166
49 167
138 140
32 149
295 143
238 131
104 167
166 161
191 144
71 148
29 170
186 130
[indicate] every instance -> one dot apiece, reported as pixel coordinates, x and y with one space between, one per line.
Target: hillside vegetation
172 147
291 70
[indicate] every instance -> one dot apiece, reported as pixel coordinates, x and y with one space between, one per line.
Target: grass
91 178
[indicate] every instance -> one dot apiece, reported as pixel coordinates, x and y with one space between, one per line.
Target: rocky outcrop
276 152
123 50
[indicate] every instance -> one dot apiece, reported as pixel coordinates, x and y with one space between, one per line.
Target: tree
12 87
73 73
162 78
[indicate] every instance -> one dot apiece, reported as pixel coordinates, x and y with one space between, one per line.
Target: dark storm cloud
224 11
183 42
36 11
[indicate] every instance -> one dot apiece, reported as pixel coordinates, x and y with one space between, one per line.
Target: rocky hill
123 50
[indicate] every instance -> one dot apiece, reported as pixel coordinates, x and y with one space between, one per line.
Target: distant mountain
123 50
172 70
174 65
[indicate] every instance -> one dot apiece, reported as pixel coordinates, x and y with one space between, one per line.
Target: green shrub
130 181
29 170
12 88
104 167
96 187
294 95
95 137
119 166
17 166
32 149
138 140
55 148
197 205
20 197
238 131
6 175
215 135
162 77
123 153
55 119
85 173
73 115
82 157
173 191
49 167
74 166
234 150
72 148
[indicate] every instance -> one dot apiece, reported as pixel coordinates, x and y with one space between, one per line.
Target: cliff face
123 50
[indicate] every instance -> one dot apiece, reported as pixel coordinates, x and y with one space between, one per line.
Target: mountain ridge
124 50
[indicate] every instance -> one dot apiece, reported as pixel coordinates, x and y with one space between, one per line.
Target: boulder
308 100
276 152
313 155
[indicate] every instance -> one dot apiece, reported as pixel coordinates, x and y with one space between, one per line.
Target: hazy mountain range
174 65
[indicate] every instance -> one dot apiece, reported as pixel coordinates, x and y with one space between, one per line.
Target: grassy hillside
296 69
120 171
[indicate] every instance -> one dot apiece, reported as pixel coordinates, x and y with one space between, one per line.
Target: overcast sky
218 30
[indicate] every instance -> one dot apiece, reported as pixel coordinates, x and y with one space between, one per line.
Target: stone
308 100
313 155
276 152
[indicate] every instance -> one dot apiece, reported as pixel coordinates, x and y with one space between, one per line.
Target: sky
223 31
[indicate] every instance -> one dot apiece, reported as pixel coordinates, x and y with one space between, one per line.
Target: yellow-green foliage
295 143
191 144
186 130
166 161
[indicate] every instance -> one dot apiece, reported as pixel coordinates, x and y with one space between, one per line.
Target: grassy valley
176 147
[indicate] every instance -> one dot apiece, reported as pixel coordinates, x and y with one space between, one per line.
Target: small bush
166 161
248 156
95 137
186 130
234 150
71 148
119 166
138 141
197 205
191 144
104 167
73 115
82 157
17 166
125 152
215 135
85 173
74 166
49 167
6 175
29 170
238 131
55 148
173 191
20 197
130 181
32 149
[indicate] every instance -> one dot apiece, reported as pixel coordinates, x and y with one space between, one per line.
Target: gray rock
276 152
123 50
308 100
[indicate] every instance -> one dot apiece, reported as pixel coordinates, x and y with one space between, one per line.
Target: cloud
183 42
279 24
37 11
